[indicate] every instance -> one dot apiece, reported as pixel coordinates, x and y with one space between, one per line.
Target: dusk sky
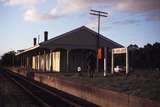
128 22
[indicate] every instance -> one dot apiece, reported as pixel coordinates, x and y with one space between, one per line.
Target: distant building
66 52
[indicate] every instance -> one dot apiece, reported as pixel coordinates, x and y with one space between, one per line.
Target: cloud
70 7
63 8
21 2
154 16
30 12
126 22
33 15
67 7
138 5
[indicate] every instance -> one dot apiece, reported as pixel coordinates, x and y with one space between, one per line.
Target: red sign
99 53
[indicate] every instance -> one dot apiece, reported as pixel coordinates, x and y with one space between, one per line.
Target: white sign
119 50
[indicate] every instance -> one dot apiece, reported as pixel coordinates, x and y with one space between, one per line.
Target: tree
146 57
8 58
156 55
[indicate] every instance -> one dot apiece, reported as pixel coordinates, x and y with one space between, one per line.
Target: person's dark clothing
91 64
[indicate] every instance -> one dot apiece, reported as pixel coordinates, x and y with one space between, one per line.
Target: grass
140 83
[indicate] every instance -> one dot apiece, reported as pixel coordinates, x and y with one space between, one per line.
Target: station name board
119 50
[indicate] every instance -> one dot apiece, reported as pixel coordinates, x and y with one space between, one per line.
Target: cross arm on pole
98 14
99 11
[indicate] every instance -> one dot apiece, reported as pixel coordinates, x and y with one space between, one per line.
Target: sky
128 21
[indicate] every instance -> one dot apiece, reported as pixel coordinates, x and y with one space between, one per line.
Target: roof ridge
64 34
79 28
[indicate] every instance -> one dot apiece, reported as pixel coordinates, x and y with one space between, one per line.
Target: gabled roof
81 37
67 39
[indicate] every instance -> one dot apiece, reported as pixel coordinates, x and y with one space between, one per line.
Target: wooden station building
66 52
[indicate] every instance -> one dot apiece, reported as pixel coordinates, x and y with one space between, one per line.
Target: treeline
147 57
8 59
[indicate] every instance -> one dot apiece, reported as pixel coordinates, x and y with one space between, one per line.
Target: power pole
99 14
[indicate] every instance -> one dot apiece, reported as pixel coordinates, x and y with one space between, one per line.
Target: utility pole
99 14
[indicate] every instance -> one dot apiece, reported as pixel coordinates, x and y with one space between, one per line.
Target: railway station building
66 52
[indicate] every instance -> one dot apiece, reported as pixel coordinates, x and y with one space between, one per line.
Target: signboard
100 53
119 50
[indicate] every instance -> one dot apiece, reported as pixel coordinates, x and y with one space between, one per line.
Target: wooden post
127 62
68 50
105 61
51 59
112 62
39 62
20 60
27 61
44 60
97 64
35 62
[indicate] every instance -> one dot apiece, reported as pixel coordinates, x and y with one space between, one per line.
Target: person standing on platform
91 64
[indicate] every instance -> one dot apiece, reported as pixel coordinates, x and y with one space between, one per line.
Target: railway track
46 96
12 95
